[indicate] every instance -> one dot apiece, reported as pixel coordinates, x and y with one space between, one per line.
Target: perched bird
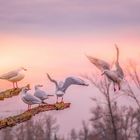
14 76
42 95
116 76
28 98
61 87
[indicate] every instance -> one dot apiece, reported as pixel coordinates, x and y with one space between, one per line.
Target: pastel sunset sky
54 35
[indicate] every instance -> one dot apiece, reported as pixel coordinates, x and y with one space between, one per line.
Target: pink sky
54 35
63 55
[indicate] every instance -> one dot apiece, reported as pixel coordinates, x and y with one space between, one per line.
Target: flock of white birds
116 76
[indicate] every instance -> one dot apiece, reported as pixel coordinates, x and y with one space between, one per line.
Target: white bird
14 76
113 76
42 95
28 98
116 76
61 87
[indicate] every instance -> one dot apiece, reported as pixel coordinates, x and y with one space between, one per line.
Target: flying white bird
116 76
28 98
113 76
61 87
14 76
42 95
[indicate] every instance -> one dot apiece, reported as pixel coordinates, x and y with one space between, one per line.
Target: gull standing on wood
29 99
42 95
116 76
14 76
61 87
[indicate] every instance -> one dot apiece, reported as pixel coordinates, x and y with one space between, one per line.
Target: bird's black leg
28 107
13 85
62 100
114 87
16 85
57 100
119 86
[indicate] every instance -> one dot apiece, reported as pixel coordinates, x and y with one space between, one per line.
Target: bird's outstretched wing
9 75
52 80
119 70
100 64
72 81
117 49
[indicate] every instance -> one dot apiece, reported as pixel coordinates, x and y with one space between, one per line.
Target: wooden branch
11 92
27 115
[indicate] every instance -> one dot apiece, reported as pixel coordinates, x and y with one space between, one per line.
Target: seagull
61 87
116 76
29 99
14 76
42 95
113 76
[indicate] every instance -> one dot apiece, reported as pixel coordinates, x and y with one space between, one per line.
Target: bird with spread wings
116 76
61 86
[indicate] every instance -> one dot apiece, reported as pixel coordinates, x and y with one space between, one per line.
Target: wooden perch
27 115
11 92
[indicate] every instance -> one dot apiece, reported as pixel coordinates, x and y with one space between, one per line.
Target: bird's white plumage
28 98
116 75
14 76
40 93
59 93
112 75
68 82
61 87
